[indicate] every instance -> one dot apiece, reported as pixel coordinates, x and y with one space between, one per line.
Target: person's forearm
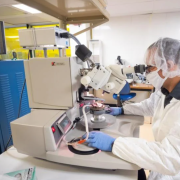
134 109
148 155
144 108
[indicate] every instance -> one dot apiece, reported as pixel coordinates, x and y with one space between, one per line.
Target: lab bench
142 87
12 161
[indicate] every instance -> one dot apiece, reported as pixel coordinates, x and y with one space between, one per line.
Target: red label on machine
57 64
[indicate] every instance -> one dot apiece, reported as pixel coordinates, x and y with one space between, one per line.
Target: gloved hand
100 141
115 111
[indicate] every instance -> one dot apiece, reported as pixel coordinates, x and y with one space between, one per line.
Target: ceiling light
12 36
26 8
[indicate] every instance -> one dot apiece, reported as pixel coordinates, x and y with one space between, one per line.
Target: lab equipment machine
62 112
42 37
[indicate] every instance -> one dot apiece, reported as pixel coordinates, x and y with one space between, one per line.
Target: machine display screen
65 123
60 126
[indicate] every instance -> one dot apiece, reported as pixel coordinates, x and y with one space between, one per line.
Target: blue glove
115 111
100 141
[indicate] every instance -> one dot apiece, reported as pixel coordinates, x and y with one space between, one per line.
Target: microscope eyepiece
139 68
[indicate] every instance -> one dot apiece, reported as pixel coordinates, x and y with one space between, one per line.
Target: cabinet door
11 82
7 110
1 141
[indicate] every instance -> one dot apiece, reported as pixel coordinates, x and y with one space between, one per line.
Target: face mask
155 79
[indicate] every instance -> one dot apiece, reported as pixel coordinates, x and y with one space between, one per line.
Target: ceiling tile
120 2
9 11
8 2
135 7
14 16
166 6
131 9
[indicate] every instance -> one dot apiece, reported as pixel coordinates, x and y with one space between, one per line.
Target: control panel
64 124
55 131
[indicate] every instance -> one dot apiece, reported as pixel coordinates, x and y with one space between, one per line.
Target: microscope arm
110 79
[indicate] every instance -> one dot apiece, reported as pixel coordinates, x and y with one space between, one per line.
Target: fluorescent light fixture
26 8
12 36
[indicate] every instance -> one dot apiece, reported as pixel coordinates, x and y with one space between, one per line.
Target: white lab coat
162 157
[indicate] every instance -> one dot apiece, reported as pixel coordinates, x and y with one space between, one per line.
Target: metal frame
31 24
92 25
3 37
60 13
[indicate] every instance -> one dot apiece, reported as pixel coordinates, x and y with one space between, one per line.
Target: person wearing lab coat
161 157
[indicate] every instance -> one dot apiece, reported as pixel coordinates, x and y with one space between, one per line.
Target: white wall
83 38
129 36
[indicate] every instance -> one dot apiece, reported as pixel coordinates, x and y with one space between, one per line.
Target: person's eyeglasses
150 69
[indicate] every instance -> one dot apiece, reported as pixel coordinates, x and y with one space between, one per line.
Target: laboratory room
90 89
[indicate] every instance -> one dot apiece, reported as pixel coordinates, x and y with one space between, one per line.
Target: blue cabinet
12 77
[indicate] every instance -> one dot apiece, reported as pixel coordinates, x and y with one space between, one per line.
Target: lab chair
125 94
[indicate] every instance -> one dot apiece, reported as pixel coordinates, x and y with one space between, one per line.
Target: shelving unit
73 11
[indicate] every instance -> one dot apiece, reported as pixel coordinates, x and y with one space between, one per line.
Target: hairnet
165 55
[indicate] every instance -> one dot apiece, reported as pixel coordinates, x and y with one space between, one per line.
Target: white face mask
154 78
